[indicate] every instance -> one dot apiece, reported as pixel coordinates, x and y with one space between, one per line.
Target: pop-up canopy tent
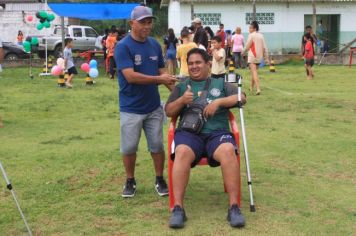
93 11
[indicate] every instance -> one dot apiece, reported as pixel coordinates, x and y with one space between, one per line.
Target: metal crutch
9 186
240 106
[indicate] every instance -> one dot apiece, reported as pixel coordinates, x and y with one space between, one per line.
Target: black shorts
204 145
72 71
218 76
309 62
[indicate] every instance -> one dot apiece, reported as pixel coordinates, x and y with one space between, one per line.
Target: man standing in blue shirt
140 68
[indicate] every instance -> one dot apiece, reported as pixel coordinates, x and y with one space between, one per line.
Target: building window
261 18
209 18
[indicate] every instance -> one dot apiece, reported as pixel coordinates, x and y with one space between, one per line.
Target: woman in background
257 50
170 50
238 44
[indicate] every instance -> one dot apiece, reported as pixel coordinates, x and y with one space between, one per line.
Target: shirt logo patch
215 92
138 59
154 58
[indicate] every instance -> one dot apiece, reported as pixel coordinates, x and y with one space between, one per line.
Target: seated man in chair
202 104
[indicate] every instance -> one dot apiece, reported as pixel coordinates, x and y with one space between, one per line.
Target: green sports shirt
218 88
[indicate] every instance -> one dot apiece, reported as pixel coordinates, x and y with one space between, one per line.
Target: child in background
228 46
219 56
110 45
68 61
182 51
20 38
309 56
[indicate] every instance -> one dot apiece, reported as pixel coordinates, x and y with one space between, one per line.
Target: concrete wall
285 34
13 19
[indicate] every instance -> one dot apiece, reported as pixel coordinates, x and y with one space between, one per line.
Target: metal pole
46 44
314 15
9 186
249 181
63 33
254 10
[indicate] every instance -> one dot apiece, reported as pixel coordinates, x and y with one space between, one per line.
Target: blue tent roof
93 11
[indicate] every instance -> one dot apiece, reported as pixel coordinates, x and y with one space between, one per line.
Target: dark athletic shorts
215 76
72 70
204 145
309 62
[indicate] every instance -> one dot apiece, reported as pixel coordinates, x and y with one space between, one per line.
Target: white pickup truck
84 39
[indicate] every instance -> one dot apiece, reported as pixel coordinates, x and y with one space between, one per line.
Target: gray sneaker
161 188
235 217
129 188
178 218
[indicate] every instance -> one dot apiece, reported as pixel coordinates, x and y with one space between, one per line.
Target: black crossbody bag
193 118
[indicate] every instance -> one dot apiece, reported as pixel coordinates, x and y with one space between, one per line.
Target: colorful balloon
43 14
50 17
85 67
93 64
46 24
56 70
40 26
34 41
29 18
93 73
27 46
60 63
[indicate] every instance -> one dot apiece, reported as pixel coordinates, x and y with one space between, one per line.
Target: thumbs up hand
188 96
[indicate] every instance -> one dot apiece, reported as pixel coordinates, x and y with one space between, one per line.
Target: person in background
182 51
1 55
68 61
200 36
228 45
20 38
121 33
257 51
98 42
140 66
219 56
209 32
103 41
308 29
238 44
308 56
170 50
191 32
320 30
221 33
110 48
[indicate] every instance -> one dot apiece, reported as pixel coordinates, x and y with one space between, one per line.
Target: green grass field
60 150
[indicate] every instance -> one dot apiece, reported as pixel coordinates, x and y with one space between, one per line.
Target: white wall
287 19
12 20
287 30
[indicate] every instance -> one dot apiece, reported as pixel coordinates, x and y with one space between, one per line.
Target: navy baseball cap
141 12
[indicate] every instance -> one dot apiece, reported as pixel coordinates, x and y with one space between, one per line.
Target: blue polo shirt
145 58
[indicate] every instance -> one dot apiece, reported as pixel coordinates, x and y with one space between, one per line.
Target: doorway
327 30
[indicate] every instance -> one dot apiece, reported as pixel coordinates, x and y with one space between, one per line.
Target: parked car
14 52
84 39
